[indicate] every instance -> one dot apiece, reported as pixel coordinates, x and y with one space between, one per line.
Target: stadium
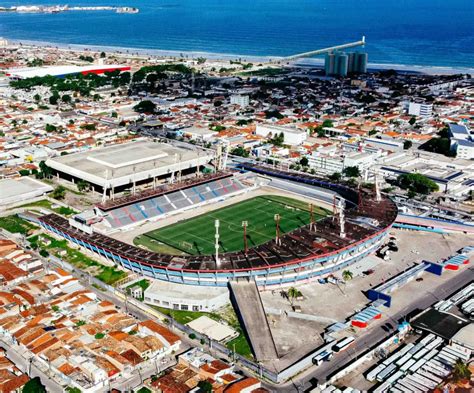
288 242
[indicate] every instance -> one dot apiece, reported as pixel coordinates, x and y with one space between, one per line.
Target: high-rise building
342 64
329 64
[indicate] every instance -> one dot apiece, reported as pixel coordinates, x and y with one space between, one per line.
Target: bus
343 344
322 357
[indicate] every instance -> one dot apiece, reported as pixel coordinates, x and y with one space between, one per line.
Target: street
306 380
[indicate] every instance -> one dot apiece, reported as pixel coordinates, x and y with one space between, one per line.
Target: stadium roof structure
123 164
367 219
62 71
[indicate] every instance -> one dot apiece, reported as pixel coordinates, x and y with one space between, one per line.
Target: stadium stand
166 202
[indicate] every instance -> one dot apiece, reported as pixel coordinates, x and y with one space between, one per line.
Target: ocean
409 32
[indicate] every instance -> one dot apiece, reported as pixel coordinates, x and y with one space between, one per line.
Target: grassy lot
44 203
15 224
239 344
107 274
196 235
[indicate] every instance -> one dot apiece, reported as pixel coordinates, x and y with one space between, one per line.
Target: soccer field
196 235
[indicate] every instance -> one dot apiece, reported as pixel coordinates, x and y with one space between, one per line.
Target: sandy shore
306 62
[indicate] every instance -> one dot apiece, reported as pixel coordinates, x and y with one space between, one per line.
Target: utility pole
277 223
244 225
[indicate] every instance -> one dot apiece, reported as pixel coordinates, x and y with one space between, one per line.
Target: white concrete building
185 297
238 99
462 141
421 109
292 136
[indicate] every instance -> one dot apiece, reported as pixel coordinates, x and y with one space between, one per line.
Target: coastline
187 55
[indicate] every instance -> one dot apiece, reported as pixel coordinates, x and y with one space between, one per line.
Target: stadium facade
299 256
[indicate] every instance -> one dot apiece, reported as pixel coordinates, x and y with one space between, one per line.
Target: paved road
21 359
306 380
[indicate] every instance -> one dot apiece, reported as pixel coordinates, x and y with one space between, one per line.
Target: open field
196 235
15 224
106 274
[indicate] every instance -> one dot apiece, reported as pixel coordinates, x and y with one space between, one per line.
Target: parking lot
337 302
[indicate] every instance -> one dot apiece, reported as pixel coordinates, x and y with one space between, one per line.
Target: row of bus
417 367
327 352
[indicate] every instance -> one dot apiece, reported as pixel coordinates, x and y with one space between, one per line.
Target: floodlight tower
216 225
378 197
341 206
312 225
277 223
244 225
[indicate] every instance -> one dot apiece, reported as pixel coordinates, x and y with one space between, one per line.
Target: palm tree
461 371
293 293
347 275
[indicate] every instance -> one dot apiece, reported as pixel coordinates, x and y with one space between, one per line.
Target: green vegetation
159 71
44 203
265 72
239 151
59 192
34 385
143 284
99 336
143 389
416 183
205 386
461 371
239 344
407 145
89 59
15 224
145 107
82 84
106 274
71 389
351 171
196 235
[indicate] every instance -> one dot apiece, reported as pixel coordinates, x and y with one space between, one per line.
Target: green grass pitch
196 235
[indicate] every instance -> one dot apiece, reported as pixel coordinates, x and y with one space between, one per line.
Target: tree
347 275
201 60
336 176
37 97
66 98
292 294
327 124
34 386
407 144
205 386
99 336
304 161
461 371
24 172
59 192
412 121
83 185
417 183
44 253
46 171
240 151
145 106
50 128
102 55
351 171
53 100
71 389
